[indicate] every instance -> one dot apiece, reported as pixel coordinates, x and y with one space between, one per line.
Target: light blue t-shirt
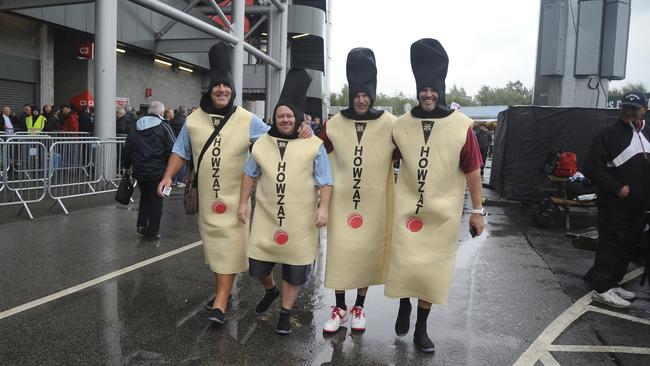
322 170
183 145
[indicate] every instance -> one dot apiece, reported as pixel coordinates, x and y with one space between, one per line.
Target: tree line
514 93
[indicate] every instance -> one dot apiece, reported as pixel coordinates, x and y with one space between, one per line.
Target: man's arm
475 186
245 191
324 182
595 167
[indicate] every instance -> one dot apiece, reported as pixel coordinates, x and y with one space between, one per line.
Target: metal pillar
220 13
105 67
238 8
284 25
173 22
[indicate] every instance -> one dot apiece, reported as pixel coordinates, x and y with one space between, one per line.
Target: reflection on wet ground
503 295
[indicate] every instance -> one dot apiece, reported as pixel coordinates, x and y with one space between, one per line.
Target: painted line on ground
631 318
548 359
542 344
85 285
599 349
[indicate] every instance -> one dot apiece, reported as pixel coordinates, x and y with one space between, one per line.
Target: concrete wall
172 87
19 37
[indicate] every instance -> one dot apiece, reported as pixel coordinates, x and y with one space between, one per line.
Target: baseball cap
634 99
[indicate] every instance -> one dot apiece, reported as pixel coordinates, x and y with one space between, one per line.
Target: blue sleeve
257 128
251 168
183 146
322 169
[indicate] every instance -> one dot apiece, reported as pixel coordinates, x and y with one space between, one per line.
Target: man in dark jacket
619 165
148 146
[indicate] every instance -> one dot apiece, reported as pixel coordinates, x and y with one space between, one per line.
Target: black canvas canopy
526 134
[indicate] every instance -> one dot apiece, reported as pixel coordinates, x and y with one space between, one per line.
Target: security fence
61 167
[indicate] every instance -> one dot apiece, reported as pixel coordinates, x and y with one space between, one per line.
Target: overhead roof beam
278 4
250 10
27 4
220 13
173 22
256 25
187 19
184 45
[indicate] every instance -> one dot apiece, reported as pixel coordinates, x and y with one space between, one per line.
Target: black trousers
484 155
150 209
619 233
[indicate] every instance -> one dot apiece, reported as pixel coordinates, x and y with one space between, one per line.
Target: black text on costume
423 164
280 182
216 163
357 165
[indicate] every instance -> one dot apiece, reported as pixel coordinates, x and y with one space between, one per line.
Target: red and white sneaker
338 317
358 319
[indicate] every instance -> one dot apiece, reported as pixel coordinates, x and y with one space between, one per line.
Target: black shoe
152 237
284 325
217 316
208 306
403 321
267 300
423 343
142 230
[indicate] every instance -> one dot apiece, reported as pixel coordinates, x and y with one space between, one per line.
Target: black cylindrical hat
220 57
294 93
429 62
361 69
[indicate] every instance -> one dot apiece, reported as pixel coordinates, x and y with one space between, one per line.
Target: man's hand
242 213
304 131
624 192
321 217
164 182
476 221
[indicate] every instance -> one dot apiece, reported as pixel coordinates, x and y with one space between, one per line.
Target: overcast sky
488 42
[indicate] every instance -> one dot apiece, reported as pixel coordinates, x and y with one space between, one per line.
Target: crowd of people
309 175
67 117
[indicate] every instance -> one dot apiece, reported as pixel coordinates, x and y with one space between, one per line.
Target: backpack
567 165
546 215
551 162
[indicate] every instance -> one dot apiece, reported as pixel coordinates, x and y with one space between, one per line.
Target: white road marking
548 359
85 285
543 343
600 349
618 315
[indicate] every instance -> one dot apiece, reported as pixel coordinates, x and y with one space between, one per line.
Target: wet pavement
508 287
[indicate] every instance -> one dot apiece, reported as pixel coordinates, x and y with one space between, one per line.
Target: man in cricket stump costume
439 155
289 173
360 145
219 174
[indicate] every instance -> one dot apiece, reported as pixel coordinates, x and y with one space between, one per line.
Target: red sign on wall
148 92
85 50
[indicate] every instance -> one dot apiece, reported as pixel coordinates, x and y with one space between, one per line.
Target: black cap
361 70
220 57
429 62
635 100
294 93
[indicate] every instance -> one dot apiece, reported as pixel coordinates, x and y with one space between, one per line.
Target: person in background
36 122
121 121
52 118
618 163
483 137
70 120
86 121
169 114
316 125
148 146
8 121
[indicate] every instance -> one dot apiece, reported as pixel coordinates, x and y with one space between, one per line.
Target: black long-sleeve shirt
619 156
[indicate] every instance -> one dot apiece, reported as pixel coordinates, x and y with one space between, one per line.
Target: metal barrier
83 167
23 175
53 133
